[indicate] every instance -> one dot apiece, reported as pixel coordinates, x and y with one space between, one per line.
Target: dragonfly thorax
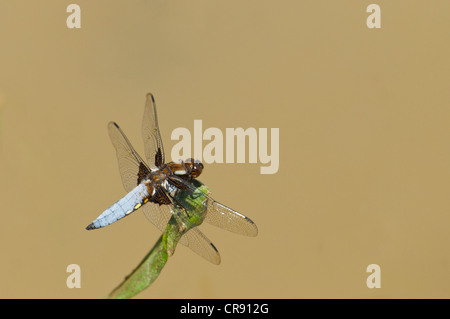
169 177
187 170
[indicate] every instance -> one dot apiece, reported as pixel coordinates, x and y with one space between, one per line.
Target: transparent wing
194 238
201 245
222 216
130 163
153 146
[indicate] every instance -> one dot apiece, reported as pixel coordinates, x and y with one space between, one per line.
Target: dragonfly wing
131 166
159 215
224 217
220 215
153 146
201 245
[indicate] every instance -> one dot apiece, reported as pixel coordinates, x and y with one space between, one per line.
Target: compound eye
197 169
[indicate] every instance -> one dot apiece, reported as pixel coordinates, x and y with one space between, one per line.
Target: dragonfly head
195 166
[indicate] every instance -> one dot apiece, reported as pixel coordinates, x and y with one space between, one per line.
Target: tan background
364 143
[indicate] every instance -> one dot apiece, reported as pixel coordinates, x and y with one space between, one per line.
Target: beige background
364 143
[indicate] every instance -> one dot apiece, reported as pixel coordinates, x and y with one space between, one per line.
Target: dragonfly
154 185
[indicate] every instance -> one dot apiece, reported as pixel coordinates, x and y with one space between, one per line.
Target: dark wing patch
143 172
158 158
160 197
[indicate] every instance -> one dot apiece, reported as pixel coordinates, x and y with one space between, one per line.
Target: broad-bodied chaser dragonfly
154 186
